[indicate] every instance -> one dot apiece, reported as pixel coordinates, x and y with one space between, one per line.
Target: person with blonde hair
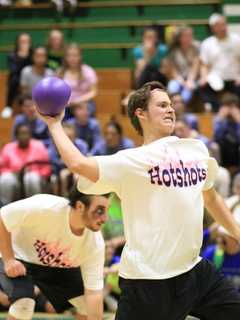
80 77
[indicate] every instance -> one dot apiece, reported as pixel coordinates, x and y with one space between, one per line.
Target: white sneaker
6 112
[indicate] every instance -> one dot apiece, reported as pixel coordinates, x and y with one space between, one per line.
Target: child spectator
14 156
30 75
87 129
17 60
39 130
80 77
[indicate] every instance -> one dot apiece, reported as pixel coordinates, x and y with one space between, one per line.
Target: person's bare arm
89 95
12 267
219 211
71 156
94 304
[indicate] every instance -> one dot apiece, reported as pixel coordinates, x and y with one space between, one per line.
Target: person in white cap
163 186
220 58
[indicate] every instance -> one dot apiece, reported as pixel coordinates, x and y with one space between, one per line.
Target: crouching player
55 244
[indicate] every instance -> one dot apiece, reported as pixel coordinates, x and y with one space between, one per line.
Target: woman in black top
19 58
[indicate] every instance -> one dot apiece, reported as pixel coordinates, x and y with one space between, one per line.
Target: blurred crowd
207 73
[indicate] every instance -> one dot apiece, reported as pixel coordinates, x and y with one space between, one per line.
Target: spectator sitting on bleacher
220 56
55 49
87 129
233 202
184 58
59 168
181 112
80 77
30 75
14 156
28 116
114 140
19 58
227 131
148 58
226 256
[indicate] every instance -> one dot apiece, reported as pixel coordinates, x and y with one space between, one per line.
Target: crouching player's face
95 215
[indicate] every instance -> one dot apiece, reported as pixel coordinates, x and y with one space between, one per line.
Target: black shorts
57 284
202 292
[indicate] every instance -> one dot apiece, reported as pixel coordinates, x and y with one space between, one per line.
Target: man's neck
153 137
75 223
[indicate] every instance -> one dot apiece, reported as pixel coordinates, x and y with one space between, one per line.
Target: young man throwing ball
163 186
56 245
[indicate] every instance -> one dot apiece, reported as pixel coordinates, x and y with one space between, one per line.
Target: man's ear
140 113
80 206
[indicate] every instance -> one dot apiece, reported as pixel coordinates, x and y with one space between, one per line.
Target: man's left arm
92 273
94 304
217 208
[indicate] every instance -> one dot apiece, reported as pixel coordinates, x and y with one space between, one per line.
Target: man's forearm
5 243
220 212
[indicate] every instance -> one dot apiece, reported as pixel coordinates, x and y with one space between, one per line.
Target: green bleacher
93 23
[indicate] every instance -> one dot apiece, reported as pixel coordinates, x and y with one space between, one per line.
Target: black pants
201 292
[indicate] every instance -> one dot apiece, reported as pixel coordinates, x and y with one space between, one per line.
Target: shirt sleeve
204 52
111 173
212 173
92 271
14 215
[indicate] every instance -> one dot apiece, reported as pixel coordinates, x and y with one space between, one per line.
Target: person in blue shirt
28 116
226 256
148 57
87 129
59 168
114 140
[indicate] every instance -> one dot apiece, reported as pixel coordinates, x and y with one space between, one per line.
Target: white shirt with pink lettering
41 234
160 186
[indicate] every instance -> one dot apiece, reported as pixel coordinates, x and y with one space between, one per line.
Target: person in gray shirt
30 75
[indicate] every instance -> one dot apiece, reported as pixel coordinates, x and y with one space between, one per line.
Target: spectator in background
30 75
17 60
226 256
233 202
55 49
59 167
227 131
148 58
14 156
181 112
184 58
80 77
114 140
87 129
220 57
28 116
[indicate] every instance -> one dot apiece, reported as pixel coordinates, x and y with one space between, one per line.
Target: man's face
81 113
160 118
220 28
96 214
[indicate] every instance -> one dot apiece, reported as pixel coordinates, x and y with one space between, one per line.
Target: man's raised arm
71 156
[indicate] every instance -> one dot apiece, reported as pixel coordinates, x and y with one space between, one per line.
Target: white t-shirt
41 234
222 56
160 186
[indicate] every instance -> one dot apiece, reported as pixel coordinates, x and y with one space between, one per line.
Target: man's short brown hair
140 99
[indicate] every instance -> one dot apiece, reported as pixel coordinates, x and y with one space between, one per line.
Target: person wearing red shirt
14 156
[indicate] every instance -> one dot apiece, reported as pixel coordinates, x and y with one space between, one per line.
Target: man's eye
100 211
